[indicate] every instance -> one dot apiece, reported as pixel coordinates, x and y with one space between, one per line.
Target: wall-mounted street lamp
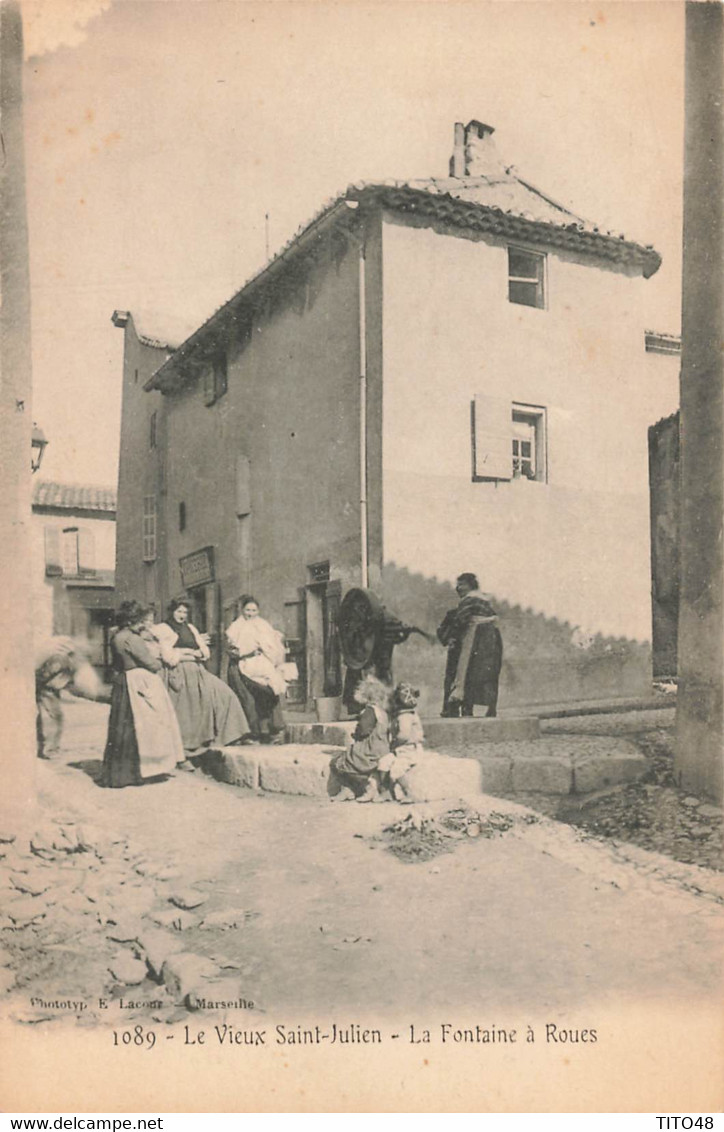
37 446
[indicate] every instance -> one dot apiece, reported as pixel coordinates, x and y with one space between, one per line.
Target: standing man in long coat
475 652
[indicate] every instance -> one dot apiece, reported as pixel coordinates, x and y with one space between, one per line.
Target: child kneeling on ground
357 767
406 736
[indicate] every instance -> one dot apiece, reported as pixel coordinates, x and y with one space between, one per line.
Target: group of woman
166 705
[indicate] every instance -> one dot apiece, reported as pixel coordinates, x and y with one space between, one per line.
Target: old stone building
432 377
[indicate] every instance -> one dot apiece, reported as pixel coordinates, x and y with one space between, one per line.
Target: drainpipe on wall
363 415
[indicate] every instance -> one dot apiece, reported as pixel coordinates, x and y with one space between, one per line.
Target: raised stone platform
459 735
554 766
305 769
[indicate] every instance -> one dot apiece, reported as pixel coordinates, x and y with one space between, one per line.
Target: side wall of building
664 460
140 471
268 475
567 560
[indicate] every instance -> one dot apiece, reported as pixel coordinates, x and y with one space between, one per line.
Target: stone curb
540 767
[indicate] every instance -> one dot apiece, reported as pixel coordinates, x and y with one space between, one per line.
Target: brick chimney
474 152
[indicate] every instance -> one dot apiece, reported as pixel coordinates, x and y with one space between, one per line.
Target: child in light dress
356 768
406 737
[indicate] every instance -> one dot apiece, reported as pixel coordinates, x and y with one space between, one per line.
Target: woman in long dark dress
475 652
207 709
144 740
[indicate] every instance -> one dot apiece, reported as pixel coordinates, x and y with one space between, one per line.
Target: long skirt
143 734
478 682
207 709
262 706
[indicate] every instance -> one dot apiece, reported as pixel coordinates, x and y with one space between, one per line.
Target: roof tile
74 496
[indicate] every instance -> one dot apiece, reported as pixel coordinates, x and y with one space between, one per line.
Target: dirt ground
301 907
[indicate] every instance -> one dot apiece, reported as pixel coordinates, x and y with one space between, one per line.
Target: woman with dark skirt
144 740
256 655
475 652
208 711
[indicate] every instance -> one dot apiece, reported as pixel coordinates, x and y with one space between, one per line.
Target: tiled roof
568 231
74 497
503 205
505 191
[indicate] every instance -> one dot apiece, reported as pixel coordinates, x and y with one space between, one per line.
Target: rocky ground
90 924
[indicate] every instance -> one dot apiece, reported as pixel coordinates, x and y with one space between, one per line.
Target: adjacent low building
432 377
73 555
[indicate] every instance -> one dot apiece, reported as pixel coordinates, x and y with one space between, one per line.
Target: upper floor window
528 441
182 516
149 528
69 551
509 440
153 430
215 380
526 277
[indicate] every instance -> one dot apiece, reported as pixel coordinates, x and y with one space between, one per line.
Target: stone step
552 766
305 769
447 734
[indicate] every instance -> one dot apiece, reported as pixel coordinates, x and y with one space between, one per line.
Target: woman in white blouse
208 712
256 651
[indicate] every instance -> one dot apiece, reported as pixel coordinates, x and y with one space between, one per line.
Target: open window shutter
86 551
53 565
492 438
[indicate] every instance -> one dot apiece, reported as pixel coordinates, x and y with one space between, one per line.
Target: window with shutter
526 277
529 442
53 566
69 551
86 551
220 376
509 440
243 485
149 528
491 429
215 380
209 387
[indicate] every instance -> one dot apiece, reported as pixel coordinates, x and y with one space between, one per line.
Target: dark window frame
527 284
215 380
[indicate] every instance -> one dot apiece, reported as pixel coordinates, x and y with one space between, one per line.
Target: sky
160 132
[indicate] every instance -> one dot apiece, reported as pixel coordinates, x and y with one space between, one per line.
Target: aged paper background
589 99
